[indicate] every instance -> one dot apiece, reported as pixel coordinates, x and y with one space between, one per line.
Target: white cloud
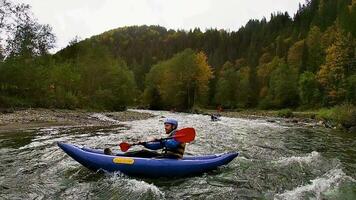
90 17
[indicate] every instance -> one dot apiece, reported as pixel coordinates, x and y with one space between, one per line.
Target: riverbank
335 118
38 118
296 117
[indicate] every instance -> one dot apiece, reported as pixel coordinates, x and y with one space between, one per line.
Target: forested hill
306 60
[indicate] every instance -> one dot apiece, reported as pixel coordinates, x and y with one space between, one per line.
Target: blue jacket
169 144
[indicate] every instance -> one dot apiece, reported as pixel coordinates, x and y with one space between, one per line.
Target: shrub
287 113
11 101
344 115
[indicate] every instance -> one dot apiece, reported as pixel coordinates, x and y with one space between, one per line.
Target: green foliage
351 89
227 86
296 56
245 93
308 89
22 34
301 42
233 86
307 61
332 75
93 80
105 82
282 87
344 115
63 84
181 81
223 95
326 14
287 113
315 55
64 99
352 18
11 101
347 16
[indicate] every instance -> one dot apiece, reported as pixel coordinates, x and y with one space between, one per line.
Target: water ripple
277 161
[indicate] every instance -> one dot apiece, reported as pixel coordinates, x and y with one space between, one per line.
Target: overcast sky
85 18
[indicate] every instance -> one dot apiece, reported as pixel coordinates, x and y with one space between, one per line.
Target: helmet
171 121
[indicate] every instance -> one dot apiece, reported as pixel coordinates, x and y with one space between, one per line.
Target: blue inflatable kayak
147 167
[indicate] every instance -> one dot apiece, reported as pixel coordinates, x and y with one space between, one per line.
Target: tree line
306 61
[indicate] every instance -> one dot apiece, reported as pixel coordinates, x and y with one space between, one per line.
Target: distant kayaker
215 117
170 147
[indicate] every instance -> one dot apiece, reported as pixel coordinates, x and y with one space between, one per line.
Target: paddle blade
185 135
124 146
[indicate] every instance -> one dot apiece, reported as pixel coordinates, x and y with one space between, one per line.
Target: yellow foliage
182 80
204 73
263 92
295 55
332 74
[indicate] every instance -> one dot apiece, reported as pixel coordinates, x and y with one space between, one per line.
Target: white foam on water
35 144
78 191
51 130
141 188
251 123
187 119
299 159
329 181
103 117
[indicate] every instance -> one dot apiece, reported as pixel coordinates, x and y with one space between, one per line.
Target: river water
277 161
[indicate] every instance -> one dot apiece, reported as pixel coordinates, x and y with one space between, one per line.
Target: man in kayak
170 147
214 117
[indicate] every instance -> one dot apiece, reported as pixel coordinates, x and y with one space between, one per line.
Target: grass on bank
344 115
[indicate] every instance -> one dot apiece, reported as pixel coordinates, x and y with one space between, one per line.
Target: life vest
177 152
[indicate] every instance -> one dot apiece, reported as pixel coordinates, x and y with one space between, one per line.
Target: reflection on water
278 161
15 139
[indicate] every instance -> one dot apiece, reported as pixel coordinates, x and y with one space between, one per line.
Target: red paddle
184 135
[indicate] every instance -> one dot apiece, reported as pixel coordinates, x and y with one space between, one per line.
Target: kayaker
215 117
170 147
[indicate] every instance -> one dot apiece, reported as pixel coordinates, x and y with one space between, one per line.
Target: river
277 161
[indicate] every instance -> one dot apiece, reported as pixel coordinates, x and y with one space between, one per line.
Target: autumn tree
267 62
181 81
332 75
297 55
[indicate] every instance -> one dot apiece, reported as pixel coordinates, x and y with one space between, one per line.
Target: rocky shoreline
38 118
